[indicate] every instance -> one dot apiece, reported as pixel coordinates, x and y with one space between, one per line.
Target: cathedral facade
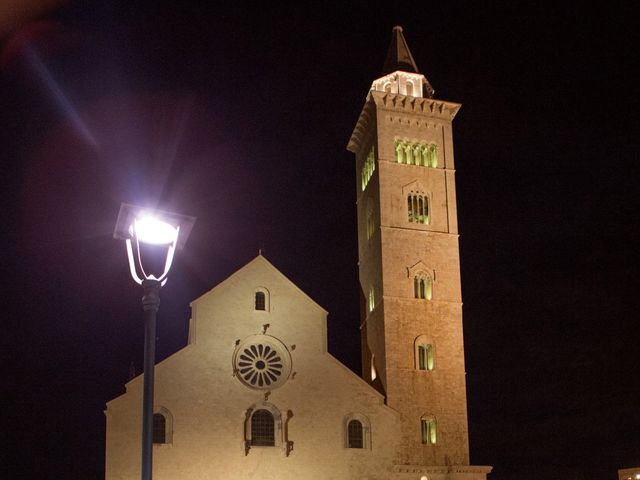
255 393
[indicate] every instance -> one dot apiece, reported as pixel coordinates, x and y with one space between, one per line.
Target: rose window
262 362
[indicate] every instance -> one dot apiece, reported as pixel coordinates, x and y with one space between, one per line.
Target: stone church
255 393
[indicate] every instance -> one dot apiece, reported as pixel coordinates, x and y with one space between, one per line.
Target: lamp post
140 227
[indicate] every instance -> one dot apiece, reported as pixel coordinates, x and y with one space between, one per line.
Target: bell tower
409 267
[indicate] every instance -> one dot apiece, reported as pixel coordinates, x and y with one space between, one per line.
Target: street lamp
140 227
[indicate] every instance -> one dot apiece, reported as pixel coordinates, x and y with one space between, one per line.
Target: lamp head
137 225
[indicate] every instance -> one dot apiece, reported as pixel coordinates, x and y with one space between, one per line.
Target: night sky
240 116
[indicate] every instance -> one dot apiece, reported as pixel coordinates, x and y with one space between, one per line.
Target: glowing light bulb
150 230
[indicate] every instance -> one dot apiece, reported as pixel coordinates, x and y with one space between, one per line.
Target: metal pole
150 304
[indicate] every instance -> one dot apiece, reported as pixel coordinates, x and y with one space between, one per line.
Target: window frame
168 426
428 430
366 431
429 355
277 425
267 299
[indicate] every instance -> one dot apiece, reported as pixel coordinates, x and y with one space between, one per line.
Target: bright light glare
153 231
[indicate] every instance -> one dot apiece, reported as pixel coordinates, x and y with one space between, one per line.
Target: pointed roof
399 57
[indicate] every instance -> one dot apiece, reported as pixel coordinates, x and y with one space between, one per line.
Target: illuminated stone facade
206 399
411 262
256 395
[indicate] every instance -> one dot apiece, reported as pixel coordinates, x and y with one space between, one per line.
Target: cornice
403 103
482 469
363 127
398 104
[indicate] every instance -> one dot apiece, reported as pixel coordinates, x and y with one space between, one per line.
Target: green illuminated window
425 357
421 153
399 151
418 208
429 430
367 169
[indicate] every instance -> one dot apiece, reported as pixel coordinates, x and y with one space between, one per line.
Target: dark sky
240 117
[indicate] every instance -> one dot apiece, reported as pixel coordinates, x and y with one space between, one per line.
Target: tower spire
400 73
399 56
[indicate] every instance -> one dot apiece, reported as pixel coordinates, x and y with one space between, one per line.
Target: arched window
261 299
408 152
262 428
424 353
418 208
423 286
162 426
409 89
417 156
159 428
433 156
355 435
425 357
429 431
416 153
399 152
357 431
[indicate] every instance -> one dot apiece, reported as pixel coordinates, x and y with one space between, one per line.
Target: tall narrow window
408 152
422 286
409 89
428 288
425 357
433 156
422 357
399 152
370 222
374 373
426 159
417 155
262 428
372 300
368 168
355 435
418 209
159 428
429 430
260 301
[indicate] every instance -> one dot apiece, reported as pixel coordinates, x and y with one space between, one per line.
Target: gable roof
261 260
